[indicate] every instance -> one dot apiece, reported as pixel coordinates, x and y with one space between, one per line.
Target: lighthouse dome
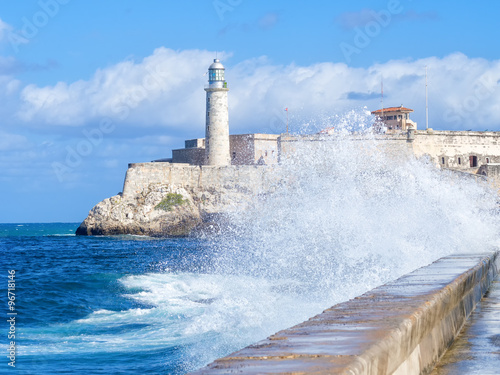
216 74
216 65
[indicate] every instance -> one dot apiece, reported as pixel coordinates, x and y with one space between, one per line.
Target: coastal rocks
162 210
156 211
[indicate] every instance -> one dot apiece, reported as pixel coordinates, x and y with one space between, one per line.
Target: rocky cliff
162 210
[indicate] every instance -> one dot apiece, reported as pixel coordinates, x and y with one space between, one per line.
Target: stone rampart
243 178
402 327
454 149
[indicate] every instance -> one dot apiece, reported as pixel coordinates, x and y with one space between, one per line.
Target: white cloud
166 89
4 30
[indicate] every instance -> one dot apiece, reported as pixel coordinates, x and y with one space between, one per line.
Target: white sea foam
348 215
351 213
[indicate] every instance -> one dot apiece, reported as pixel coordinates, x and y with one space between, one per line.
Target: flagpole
426 102
287 121
286 110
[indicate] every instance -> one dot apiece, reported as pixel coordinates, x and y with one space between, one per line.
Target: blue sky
89 86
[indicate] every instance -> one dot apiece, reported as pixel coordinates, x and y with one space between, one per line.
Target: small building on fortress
472 152
394 119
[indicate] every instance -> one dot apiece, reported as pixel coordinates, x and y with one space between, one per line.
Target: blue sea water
82 303
133 304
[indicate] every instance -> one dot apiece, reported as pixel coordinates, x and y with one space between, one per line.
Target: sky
87 87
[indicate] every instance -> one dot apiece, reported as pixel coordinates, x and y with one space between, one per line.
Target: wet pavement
477 349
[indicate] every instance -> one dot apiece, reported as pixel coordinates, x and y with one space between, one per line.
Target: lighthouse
217 117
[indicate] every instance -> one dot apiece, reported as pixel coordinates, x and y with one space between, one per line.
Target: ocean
345 219
125 304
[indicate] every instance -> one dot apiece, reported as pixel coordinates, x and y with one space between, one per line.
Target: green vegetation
170 201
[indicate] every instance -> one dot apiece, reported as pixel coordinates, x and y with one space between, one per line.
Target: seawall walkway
402 327
477 349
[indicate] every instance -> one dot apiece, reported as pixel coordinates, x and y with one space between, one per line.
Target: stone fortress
223 171
467 151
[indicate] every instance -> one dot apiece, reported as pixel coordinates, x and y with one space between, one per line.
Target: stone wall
194 156
242 178
463 150
454 149
401 328
254 148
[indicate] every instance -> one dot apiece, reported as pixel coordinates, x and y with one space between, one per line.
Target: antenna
426 102
382 95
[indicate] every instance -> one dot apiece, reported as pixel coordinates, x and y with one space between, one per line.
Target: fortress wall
401 328
452 145
244 178
449 145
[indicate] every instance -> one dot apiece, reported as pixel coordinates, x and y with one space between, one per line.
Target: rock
141 215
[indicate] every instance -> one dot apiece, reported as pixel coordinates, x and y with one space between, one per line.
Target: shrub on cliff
171 200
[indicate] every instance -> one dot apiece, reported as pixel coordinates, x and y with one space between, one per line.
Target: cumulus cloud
166 90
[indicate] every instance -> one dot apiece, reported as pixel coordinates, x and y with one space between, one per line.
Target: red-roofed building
395 118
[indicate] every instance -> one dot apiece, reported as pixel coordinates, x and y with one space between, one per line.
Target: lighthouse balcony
217 85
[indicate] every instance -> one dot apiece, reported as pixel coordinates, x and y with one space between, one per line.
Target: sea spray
349 211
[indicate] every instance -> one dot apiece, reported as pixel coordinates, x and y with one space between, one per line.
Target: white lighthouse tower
217 117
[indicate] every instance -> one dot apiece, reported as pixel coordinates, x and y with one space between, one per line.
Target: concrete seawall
402 327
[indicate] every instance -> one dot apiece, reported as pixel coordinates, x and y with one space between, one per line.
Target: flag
286 109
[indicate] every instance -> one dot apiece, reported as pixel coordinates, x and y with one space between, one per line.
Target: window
487 160
216 75
473 161
265 153
459 161
442 160
208 114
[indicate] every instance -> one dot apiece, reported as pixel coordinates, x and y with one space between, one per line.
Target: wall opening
473 161
459 161
442 161
487 160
